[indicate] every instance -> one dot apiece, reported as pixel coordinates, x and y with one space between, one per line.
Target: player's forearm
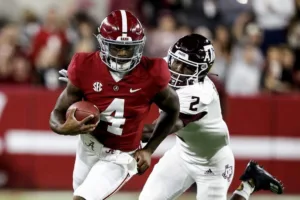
70 95
149 128
57 119
162 129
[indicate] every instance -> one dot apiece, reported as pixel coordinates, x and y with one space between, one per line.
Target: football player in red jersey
122 84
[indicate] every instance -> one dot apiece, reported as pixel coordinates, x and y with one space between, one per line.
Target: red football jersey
123 104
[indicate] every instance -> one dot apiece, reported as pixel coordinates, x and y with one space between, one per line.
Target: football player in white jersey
201 154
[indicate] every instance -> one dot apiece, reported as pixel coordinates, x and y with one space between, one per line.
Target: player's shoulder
208 90
83 58
81 67
156 70
202 91
154 65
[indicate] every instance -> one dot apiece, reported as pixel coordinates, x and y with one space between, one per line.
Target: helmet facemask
109 48
179 80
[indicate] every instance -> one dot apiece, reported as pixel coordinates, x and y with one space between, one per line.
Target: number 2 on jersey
194 105
114 114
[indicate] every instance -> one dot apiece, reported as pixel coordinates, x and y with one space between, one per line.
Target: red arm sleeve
73 71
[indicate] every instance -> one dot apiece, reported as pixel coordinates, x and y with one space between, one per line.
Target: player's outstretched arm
149 128
69 126
181 122
167 100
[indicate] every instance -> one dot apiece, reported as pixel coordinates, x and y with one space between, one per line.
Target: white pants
172 176
99 172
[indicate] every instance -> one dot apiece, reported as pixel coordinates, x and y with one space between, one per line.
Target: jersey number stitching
194 104
114 114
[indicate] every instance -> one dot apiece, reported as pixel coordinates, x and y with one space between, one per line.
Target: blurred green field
31 195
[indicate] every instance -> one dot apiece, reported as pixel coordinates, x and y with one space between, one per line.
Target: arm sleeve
192 108
186 119
73 71
191 104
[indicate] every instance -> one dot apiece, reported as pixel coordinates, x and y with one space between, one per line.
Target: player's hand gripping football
74 127
143 158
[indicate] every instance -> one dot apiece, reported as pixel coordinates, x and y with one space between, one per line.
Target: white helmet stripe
124 23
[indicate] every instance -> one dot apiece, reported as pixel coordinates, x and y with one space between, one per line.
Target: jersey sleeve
193 104
74 71
160 74
190 102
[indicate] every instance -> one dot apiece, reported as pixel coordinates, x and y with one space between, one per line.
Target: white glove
64 75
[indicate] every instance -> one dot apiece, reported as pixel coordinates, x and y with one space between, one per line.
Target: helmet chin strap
119 67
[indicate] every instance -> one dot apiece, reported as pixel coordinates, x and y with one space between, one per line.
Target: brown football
83 110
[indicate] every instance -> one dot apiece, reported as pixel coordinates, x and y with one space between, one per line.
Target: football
83 110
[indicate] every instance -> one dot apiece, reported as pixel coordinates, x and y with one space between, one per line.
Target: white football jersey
200 141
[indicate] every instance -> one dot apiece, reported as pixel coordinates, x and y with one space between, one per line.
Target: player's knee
78 198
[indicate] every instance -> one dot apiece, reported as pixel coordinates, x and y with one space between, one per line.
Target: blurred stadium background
257 43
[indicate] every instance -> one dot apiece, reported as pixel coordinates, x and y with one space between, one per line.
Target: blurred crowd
257 42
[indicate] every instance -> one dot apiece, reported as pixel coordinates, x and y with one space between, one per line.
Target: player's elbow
53 122
53 128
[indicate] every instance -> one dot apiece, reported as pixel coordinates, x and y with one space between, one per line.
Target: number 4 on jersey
114 114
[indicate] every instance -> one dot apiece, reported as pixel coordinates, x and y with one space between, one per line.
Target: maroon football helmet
121 31
194 51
